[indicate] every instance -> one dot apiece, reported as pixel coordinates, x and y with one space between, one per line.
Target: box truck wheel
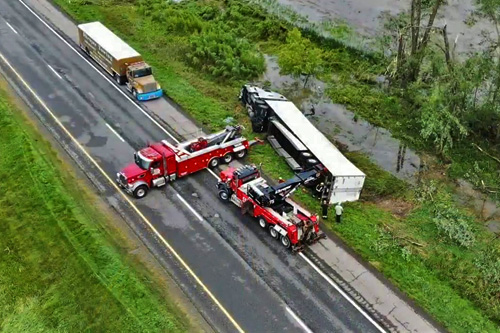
141 191
118 78
273 232
285 241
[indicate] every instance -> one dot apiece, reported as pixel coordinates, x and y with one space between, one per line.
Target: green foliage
378 183
175 19
223 55
439 122
299 56
454 224
427 274
59 270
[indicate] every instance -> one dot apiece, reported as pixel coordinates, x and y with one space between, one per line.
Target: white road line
95 68
177 141
198 216
54 71
126 199
11 27
112 130
347 297
301 323
213 173
107 79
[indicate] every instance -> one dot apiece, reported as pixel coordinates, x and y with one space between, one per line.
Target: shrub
222 54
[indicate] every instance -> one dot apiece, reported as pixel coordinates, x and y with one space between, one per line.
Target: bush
222 54
454 224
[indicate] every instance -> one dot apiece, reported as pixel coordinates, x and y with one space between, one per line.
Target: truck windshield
141 161
142 72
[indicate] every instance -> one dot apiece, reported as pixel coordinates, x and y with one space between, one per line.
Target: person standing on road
338 212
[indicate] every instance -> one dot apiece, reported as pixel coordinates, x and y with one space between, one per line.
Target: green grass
60 270
437 274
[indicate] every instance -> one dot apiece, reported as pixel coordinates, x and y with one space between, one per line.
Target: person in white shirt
338 212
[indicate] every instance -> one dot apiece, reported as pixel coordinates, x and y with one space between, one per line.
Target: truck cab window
142 162
142 72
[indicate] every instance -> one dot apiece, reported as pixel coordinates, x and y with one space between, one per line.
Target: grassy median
407 235
59 269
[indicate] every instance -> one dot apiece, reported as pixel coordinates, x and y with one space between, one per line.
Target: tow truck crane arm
286 188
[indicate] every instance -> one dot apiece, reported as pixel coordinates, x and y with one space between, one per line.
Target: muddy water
366 16
340 124
488 209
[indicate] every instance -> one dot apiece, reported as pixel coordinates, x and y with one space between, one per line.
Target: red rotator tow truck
161 162
271 205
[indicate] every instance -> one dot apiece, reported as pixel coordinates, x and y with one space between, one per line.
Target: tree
409 61
300 57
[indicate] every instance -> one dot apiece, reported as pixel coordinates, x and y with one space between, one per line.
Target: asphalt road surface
263 287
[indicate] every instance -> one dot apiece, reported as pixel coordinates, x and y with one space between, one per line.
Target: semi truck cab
141 82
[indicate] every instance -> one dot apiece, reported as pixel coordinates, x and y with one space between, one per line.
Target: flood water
367 17
340 124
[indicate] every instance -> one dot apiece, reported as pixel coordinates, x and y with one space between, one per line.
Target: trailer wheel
141 191
214 162
118 79
228 158
273 232
224 195
241 154
285 241
262 222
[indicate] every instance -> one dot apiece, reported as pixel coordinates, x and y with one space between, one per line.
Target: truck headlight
158 87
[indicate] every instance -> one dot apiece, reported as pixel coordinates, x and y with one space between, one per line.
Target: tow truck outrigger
285 219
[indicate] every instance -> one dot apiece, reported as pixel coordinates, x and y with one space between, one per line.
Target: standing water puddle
341 125
368 17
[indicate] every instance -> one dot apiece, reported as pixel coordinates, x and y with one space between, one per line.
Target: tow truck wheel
214 162
141 191
285 241
228 158
273 232
241 153
224 196
263 223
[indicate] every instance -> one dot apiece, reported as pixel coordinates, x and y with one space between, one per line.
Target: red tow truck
271 205
162 162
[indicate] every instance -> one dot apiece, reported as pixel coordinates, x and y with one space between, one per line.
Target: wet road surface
254 278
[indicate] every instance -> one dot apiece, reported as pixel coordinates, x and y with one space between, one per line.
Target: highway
237 276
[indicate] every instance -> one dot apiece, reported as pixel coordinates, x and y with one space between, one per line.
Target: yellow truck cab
119 59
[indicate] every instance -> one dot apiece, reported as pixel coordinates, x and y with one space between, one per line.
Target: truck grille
149 87
123 180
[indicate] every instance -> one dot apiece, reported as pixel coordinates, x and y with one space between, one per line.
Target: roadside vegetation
435 250
60 269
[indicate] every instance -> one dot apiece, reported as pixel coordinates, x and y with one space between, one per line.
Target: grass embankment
60 270
407 235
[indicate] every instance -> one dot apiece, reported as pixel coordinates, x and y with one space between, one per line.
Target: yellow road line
127 199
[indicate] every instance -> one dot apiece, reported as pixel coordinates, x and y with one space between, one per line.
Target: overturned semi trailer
294 137
306 146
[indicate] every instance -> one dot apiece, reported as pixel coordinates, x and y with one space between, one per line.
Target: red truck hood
132 171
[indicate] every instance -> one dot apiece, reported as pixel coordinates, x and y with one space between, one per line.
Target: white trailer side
348 179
